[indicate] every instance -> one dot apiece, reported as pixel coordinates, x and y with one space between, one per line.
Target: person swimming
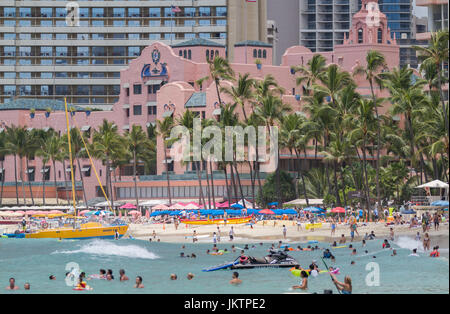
386 244
139 284
235 279
12 284
123 277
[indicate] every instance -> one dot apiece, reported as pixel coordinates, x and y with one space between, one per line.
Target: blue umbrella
273 204
313 209
237 206
408 212
440 203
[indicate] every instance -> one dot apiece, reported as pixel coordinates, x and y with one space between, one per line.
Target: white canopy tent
302 202
152 203
434 184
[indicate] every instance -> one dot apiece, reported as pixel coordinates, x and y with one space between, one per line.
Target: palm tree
2 161
437 53
310 73
138 144
405 96
375 63
50 151
163 129
31 146
242 93
106 143
364 125
271 112
220 70
16 146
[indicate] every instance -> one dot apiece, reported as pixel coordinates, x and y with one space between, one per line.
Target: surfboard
221 266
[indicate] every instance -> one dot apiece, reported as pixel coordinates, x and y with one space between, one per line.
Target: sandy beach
274 233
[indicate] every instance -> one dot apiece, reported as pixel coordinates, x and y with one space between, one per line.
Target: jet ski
274 259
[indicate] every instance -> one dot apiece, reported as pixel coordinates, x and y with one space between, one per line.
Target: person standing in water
345 287
304 283
12 284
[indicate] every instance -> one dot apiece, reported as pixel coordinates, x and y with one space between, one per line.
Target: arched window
217 53
189 54
255 53
185 54
264 54
207 54
360 36
259 53
180 53
380 36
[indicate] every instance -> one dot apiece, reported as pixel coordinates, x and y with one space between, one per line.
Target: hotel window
118 12
221 22
61 51
99 51
137 89
46 36
62 90
360 36
46 173
189 36
169 36
134 12
24 36
98 36
9 12
221 11
9 51
63 37
118 23
9 36
137 110
97 23
168 12
259 53
9 75
134 23
204 11
151 110
169 23
204 22
98 12
189 54
380 36
264 54
31 174
46 51
134 36
25 90
87 170
25 75
189 12
154 23
98 90
189 23
180 53
185 54
154 12
118 51
61 12
154 36
204 35
25 12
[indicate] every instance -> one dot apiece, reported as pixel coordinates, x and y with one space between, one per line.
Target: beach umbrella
408 212
440 203
160 207
128 206
338 210
266 212
273 204
237 206
191 206
134 212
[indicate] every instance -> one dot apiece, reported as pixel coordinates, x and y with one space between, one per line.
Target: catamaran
72 226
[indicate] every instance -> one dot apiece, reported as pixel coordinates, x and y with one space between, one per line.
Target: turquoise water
33 261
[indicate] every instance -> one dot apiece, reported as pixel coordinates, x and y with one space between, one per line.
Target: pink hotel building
160 83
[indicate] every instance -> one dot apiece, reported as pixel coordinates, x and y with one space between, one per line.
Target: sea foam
106 248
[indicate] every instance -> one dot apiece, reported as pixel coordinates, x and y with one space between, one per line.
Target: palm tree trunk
227 185
21 180
336 189
365 175
54 181
65 181
212 184
300 174
82 181
15 178
378 142
167 177
2 183
202 197
29 182
135 178
278 179
240 185
292 166
208 190
43 183
441 93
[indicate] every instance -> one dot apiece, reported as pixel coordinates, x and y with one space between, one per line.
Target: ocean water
33 261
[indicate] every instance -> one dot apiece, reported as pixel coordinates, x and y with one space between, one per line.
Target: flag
175 9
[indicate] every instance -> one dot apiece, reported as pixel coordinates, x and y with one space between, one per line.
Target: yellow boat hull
230 221
87 231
